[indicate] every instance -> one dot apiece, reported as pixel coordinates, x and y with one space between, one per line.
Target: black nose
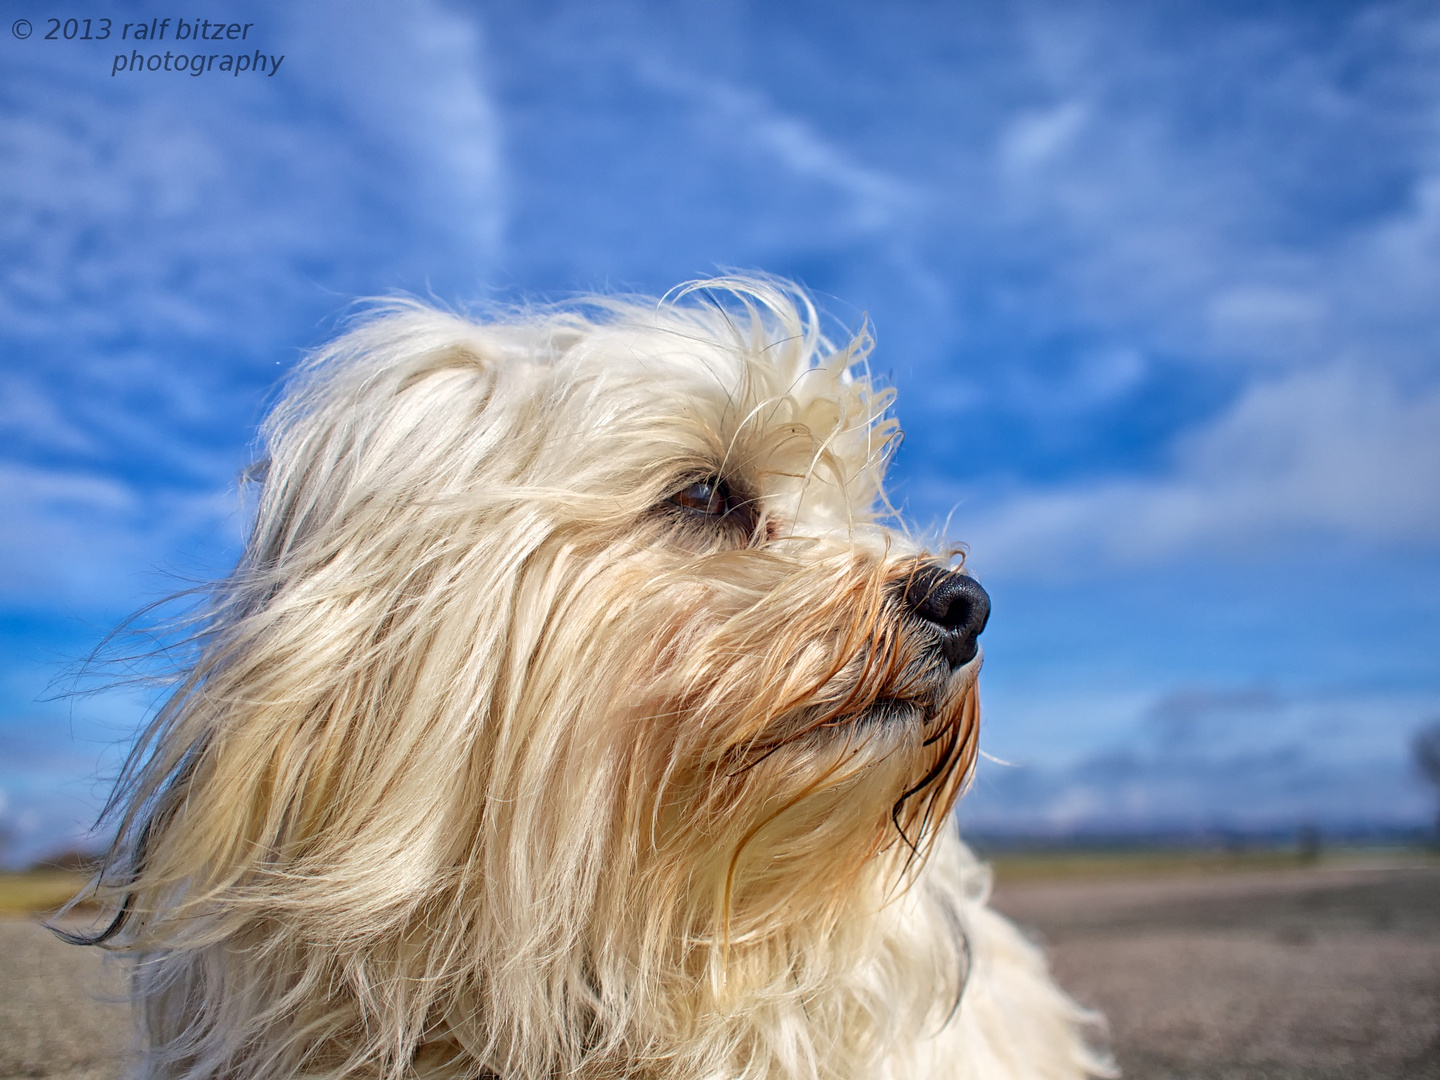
952 603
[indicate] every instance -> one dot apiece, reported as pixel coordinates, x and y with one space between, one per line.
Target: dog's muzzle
953 606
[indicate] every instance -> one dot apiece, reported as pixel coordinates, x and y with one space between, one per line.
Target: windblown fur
498 760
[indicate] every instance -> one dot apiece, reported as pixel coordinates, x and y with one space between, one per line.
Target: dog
578 708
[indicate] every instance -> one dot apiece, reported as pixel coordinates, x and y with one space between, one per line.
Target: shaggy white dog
573 712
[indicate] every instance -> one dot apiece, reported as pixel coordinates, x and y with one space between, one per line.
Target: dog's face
582 637
720 657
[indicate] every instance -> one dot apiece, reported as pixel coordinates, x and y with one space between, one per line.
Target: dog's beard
772 741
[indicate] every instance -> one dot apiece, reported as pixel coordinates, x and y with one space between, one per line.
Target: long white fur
491 764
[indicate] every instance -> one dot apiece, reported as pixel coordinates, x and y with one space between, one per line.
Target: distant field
39 891
45 890
1061 864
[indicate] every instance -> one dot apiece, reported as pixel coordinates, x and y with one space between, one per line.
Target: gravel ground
1293 975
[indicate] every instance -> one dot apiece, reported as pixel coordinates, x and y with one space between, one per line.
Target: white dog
573 713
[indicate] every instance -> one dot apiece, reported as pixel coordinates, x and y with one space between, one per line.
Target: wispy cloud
173 243
745 119
83 541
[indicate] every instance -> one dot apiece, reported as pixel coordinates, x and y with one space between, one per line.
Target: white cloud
1338 452
1227 757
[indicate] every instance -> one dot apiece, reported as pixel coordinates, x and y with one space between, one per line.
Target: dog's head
574 650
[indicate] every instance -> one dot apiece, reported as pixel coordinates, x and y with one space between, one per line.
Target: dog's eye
716 504
709 497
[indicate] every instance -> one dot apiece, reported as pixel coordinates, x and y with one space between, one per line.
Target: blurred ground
1317 974
1279 974
58 1013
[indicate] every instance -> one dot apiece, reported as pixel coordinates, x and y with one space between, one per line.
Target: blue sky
1159 287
